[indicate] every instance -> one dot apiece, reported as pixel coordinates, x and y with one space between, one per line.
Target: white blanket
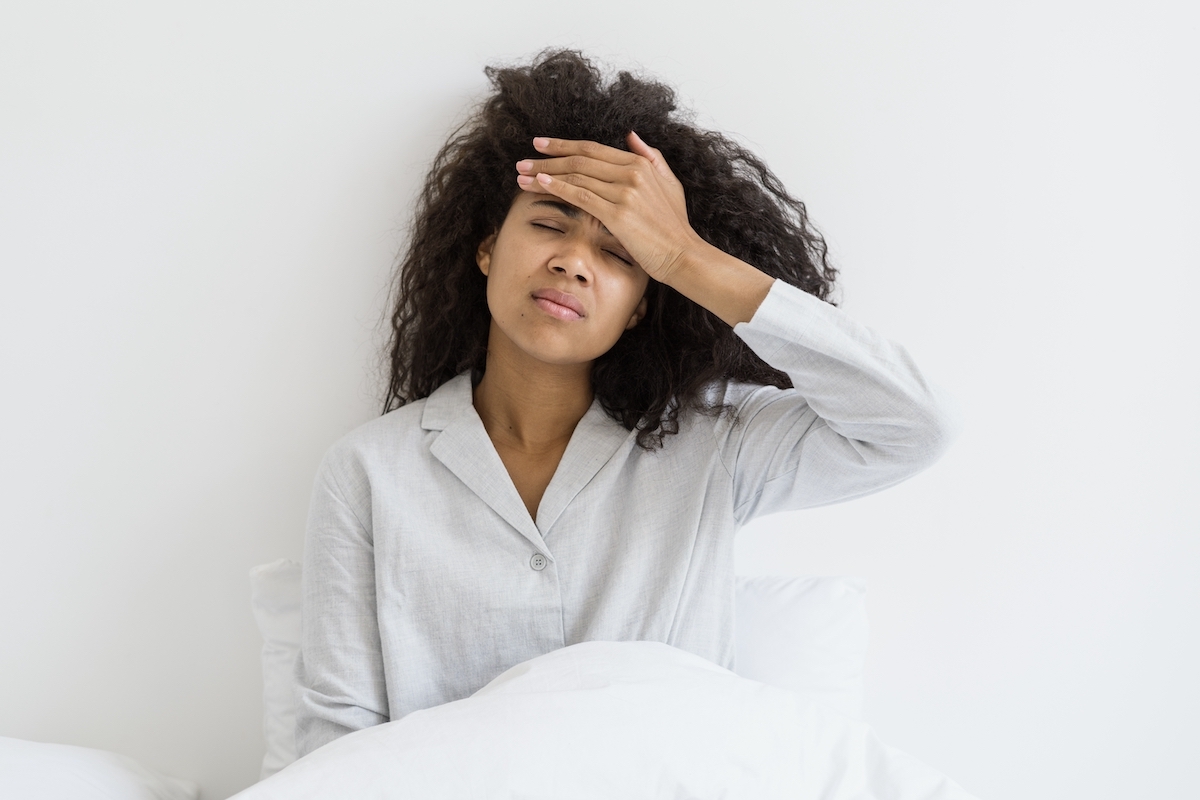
614 721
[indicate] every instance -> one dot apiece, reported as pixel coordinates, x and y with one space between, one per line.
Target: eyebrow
567 210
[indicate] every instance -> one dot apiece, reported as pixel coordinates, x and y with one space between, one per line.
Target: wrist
694 257
721 283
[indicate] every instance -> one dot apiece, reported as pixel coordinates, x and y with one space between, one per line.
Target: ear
638 314
483 256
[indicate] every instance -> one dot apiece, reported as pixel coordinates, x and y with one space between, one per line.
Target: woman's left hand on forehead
633 194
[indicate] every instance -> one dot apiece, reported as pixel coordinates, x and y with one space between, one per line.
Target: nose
572 260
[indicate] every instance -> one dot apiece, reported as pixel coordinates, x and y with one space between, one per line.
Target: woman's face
560 287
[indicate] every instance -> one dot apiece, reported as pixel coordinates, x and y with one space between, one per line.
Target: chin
561 358
556 351
556 344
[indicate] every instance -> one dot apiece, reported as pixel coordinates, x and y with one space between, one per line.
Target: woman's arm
860 416
340 669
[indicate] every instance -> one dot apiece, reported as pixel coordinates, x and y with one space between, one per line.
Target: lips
558 304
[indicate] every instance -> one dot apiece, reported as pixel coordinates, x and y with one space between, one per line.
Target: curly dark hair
440 321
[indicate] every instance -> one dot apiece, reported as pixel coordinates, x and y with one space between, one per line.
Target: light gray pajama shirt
425 577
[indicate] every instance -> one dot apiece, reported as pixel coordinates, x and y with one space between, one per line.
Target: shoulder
374 445
725 406
739 398
398 426
731 393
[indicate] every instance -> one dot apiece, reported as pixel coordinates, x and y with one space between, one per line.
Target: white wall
199 208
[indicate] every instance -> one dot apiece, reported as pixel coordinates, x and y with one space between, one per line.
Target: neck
527 404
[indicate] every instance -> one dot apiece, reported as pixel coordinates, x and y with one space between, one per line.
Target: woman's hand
633 194
637 197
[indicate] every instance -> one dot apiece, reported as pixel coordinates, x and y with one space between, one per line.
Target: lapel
593 443
465 449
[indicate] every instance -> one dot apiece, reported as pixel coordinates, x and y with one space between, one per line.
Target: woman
610 350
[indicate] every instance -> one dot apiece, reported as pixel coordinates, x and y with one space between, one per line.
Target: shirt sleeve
340 676
861 416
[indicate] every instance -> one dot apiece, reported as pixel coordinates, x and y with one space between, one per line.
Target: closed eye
623 259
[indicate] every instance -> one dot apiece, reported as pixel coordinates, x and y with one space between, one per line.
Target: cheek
623 294
504 283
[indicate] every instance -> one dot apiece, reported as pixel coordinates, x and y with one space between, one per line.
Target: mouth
558 304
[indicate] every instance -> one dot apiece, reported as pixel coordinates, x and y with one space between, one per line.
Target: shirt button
538 562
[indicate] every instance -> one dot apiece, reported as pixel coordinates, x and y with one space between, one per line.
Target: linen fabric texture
424 576
804 634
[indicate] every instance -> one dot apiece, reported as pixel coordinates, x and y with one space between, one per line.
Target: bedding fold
627 720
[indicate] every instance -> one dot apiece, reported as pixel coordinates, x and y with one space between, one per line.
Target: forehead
554 205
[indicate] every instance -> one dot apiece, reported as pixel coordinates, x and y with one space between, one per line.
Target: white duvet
618 721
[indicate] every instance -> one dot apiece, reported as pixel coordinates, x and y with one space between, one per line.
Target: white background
200 204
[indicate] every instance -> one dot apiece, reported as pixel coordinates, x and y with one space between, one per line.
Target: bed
594 720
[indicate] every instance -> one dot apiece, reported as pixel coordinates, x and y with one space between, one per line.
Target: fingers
583 165
603 174
580 191
574 160
575 147
651 154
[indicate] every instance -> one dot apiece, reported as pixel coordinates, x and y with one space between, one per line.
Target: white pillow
39 771
808 635
804 634
275 598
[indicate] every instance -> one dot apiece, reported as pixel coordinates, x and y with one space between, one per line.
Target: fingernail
524 166
543 179
540 141
524 180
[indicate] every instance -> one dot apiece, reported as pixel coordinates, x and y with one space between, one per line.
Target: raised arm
860 416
